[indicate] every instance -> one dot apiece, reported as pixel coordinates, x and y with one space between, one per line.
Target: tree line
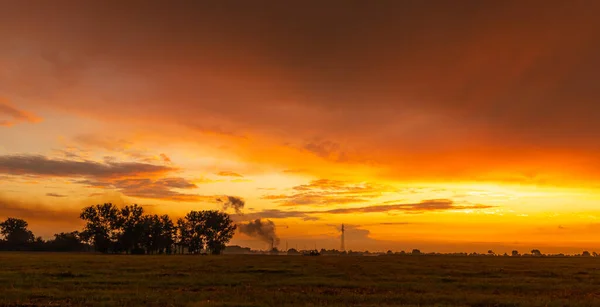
129 230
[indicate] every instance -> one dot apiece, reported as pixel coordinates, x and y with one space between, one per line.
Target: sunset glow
465 128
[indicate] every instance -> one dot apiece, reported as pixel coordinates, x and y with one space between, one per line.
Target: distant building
236 249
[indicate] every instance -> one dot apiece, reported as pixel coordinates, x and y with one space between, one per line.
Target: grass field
40 279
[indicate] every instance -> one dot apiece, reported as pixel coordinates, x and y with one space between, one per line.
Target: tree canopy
15 232
110 229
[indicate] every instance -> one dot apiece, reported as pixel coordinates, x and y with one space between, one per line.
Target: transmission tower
343 243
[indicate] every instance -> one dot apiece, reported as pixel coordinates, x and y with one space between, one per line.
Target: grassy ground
39 279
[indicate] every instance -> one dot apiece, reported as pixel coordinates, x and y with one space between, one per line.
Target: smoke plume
262 229
233 202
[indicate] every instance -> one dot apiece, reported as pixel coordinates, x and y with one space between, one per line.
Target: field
45 279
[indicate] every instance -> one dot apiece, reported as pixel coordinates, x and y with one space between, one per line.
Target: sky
438 125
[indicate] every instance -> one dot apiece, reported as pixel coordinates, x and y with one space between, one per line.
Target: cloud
395 83
233 202
103 142
133 179
43 166
15 115
156 189
55 195
424 206
327 149
395 223
432 205
325 192
165 158
151 188
229 174
340 186
277 214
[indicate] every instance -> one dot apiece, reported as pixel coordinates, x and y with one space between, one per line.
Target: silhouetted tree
66 242
130 221
490 252
15 233
183 235
416 252
515 253
209 230
217 231
536 252
152 233
101 229
167 234
586 254
193 229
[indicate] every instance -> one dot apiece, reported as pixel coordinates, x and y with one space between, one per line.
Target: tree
15 232
416 252
193 229
218 230
515 253
101 228
536 252
152 233
182 235
167 234
63 242
130 221
200 230
490 252
586 254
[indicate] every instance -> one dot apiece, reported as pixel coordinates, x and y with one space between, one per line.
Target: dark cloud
151 188
233 202
327 149
129 178
157 189
431 205
314 199
229 174
403 83
44 166
277 214
165 189
55 195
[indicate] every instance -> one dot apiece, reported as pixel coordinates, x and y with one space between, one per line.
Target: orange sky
439 126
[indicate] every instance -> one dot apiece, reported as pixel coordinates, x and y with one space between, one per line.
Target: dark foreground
36 279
